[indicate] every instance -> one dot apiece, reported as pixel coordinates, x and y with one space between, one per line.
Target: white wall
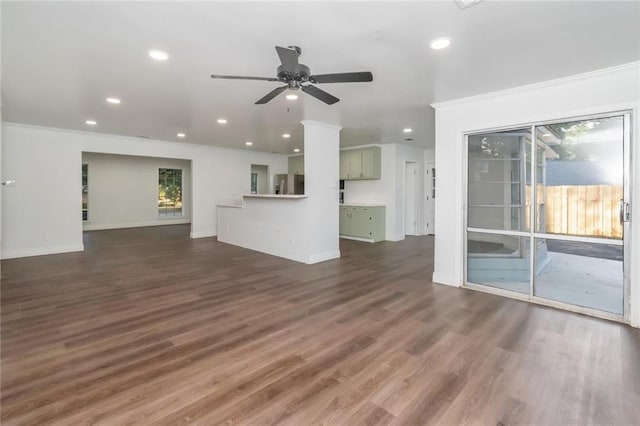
389 190
608 90
321 185
46 164
279 227
123 191
2 179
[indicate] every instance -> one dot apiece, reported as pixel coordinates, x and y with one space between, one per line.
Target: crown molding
541 85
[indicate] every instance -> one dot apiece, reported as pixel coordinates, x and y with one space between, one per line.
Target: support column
321 185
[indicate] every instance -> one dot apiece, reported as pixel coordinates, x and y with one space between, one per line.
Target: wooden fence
590 210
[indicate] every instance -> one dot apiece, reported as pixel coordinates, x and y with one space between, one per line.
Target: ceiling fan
298 76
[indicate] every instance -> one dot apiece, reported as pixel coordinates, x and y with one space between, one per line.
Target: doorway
547 213
259 179
410 199
430 198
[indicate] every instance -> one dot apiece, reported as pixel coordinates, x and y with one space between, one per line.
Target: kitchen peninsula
303 228
273 224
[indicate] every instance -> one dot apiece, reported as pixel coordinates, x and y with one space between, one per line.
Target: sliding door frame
532 234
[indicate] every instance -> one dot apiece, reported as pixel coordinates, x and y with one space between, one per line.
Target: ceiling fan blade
272 94
345 77
237 77
320 94
288 57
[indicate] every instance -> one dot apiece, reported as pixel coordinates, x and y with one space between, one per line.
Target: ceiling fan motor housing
299 74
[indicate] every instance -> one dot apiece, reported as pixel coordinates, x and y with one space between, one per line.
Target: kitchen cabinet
345 221
296 164
344 165
363 222
360 163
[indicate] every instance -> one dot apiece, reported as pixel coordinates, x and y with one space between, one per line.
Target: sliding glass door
498 223
547 207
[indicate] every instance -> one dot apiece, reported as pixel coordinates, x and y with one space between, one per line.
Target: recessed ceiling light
159 55
91 122
114 101
181 135
440 43
248 143
222 121
463 4
407 130
286 135
296 150
292 96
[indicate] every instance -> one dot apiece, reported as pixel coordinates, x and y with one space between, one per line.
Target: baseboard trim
14 254
322 257
268 250
160 222
396 238
202 234
439 279
364 240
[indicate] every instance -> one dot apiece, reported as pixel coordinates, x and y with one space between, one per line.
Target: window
85 192
254 183
169 192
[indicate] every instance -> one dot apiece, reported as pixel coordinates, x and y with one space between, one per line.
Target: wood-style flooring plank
148 326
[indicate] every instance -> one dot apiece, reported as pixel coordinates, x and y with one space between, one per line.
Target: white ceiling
60 60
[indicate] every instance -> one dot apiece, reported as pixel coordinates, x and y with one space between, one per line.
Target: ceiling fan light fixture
407 130
292 96
440 43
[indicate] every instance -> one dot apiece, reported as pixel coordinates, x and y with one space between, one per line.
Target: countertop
276 196
240 204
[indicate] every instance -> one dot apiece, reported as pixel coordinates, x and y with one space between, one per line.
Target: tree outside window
169 192
85 192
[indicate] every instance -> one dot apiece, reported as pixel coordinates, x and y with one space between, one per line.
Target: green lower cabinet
344 221
363 222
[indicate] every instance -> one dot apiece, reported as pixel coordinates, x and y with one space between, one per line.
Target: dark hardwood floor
150 327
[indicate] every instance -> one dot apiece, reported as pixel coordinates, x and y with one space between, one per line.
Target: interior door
430 198
410 199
